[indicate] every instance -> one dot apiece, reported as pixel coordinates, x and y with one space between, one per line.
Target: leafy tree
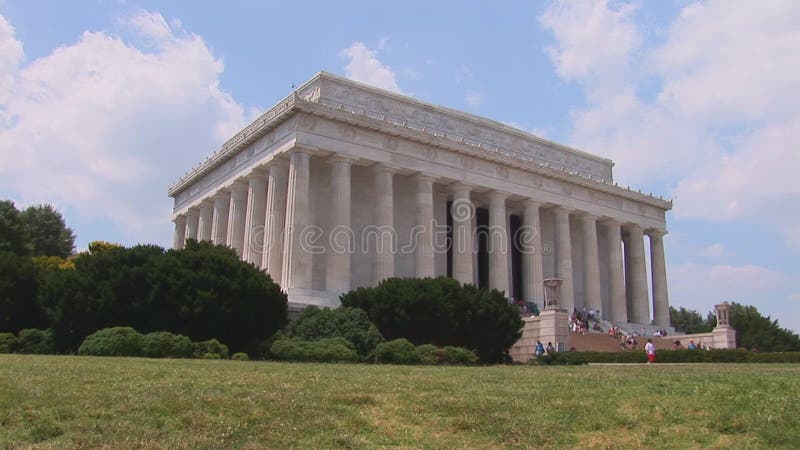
202 291
18 290
96 247
13 236
690 321
47 233
441 311
754 331
351 324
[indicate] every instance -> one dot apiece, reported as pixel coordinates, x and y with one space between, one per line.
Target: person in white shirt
650 349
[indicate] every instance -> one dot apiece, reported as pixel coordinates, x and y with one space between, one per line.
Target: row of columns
277 202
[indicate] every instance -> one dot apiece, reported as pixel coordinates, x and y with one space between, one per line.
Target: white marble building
341 185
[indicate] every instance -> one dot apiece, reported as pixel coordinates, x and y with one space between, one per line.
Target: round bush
163 344
351 324
461 356
8 342
428 354
398 351
200 349
33 341
323 350
211 356
115 341
240 357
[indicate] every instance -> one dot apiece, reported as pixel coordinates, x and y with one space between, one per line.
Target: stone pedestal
554 327
724 337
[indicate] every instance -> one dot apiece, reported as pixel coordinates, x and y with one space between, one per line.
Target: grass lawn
69 401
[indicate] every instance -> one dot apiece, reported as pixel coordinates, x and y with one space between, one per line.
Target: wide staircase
602 342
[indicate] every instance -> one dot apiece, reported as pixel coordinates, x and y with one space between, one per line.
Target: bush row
125 341
669 356
402 351
29 340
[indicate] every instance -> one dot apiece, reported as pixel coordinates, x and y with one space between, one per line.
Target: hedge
397 351
323 350
163 344
114 341
203 349
33 341
8 342
669 356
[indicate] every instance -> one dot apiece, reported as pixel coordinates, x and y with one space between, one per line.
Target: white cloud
101 127
10 57
364 66
721 126
714 251
474 98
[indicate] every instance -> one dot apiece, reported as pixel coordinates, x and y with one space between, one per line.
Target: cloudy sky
104 103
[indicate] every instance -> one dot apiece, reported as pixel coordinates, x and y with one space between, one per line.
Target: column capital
588 216
278 162
338 158
654 232
221 194
238 186
497 195
610 222
563 210
179 218
258 173
192 212
634 228
382 168
529 202
300 150
459 186
425 177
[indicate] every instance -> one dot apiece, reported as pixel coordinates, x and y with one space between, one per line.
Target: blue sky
104 103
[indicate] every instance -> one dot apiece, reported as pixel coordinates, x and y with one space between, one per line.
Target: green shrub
211 356
200 349
461 356
240 357
33 341
8 343
265 345
323 350
398 351
351 324
430 354
163 344
115 341
441 311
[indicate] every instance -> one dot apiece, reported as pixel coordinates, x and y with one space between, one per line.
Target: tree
47 233
13 237
202 291
19 308
690 321
441 311
754 331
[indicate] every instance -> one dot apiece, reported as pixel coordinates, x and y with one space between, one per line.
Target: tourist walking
650 349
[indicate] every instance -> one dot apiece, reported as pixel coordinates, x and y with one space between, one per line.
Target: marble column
616 273
236 217
384 221
658 272
498 243
219 220
425 267
564 258
638 271
297 261
626 249
192 219
180 232
205 221
254 218
341 235
532 271
462 211
275 219
591 263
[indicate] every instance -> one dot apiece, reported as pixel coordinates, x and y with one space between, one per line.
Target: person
677 343
691 345
650 349
539 351
549 349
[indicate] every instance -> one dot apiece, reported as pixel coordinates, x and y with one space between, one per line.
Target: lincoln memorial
341 185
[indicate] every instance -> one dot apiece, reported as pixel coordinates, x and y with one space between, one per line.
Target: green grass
71 402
